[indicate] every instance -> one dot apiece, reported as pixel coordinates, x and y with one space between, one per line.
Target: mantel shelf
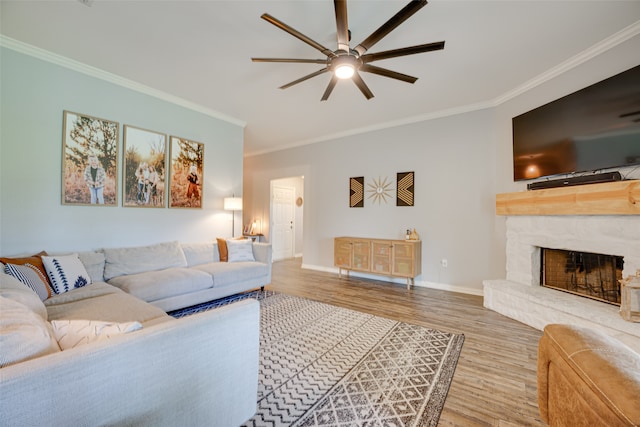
611 198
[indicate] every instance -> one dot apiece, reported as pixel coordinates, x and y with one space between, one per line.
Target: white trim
380 126
582 57
71 64
400 281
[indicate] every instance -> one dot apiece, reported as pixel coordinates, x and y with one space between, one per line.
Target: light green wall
34 94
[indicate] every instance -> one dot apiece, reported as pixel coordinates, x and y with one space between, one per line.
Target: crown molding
80 67
576 60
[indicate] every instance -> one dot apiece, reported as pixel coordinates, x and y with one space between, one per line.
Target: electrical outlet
444 263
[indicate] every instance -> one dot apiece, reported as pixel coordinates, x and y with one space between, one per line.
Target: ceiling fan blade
390 25
394 53
342 24
297 34
300 61
387 73
329 89
362 86
307 77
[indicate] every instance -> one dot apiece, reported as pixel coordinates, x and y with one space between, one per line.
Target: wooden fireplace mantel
611 198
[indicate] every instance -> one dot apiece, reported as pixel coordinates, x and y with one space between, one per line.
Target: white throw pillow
66 272
240 250
72 333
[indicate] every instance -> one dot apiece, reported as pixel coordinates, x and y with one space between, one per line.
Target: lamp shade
233 203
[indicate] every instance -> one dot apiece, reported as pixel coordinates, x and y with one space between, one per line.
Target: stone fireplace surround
521 297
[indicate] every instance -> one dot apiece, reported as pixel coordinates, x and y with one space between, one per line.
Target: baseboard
418 283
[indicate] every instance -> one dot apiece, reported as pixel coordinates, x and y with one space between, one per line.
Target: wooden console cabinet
393 258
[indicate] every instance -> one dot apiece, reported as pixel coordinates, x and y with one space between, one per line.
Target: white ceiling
200 51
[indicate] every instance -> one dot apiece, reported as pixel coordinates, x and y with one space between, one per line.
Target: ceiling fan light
344 71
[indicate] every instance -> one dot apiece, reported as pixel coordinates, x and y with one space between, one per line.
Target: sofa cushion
133 260
198 253
24 334
104 302
94 264
66 272
155 285
240 250
225 273
32 277
13 289
73 333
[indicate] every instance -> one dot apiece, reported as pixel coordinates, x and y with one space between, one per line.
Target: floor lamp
233 204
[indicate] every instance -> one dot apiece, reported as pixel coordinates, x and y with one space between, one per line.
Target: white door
282 209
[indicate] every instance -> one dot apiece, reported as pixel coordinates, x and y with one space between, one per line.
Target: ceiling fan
346 62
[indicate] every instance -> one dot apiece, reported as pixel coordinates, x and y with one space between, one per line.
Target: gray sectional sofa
199 370
172 275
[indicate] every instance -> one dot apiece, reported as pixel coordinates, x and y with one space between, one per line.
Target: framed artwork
187 169
144 167
405 189
356 192
89 160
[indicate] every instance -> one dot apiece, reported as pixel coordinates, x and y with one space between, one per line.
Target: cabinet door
403 263
342 253
381 257
361 255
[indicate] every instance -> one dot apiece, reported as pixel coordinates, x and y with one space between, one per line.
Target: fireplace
586 274
520 295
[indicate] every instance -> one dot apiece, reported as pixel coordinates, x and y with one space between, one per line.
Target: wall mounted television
595 128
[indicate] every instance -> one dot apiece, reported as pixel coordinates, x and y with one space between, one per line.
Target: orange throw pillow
222 249
34 260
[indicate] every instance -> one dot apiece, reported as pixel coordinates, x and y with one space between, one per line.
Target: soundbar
576 180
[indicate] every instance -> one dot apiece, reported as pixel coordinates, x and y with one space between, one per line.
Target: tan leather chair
586 378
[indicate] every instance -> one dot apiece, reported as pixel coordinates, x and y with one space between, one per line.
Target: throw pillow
13 289
72 333
66 272
31 276
240 250
222 249
35 260
24 335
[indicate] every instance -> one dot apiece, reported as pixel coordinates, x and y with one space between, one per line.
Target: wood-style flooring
495 379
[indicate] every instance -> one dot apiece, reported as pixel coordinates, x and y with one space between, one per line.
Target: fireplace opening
586 274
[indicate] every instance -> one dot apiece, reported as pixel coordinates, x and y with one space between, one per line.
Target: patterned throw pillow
31 276
66 272
240 250
35 260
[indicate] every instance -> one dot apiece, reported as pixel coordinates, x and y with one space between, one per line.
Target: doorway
286 217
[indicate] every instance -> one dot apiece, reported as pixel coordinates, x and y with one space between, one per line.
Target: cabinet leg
410 282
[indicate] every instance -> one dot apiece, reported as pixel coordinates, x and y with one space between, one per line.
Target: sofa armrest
200 370
587 378
262 252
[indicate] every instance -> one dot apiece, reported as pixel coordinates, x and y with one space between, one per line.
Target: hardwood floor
495 380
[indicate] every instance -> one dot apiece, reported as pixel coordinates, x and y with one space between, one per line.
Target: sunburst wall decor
379 190
356 192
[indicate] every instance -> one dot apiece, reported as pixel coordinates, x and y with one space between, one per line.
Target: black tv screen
595 128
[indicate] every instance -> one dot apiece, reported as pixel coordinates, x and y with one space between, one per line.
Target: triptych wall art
379 190
155 171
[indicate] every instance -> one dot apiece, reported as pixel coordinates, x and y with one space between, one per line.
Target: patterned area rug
322 365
